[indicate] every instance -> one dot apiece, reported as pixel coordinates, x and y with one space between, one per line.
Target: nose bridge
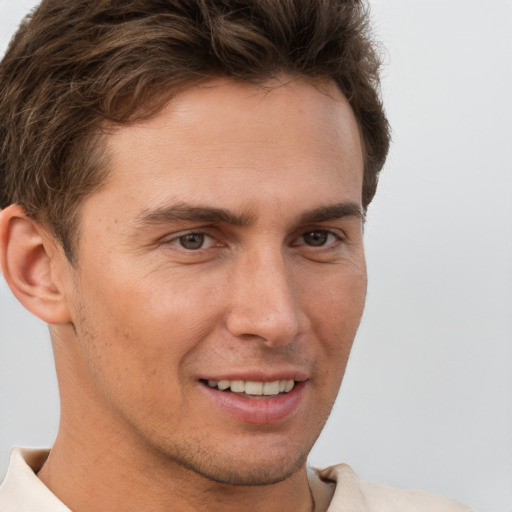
263 301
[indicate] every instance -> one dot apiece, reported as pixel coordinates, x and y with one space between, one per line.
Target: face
221 277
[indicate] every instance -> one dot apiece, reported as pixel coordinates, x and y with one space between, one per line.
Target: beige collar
22 491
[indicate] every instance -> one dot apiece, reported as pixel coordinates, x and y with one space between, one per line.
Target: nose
263 301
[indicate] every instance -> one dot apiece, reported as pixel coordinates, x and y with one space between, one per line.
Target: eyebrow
183 212
335 211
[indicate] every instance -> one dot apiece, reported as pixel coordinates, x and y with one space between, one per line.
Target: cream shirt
22 491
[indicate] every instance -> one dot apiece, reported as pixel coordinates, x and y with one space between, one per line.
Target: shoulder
370 497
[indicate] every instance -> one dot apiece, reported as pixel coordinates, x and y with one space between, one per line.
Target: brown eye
316 238
192 241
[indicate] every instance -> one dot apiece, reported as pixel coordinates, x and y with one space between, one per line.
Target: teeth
271 388
222 385
237 386
288 386
253 387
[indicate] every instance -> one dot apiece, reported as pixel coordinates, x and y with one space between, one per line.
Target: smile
260 402
254 388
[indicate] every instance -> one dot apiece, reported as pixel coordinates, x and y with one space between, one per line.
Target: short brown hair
75 66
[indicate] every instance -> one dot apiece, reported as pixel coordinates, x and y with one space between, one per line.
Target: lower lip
258 410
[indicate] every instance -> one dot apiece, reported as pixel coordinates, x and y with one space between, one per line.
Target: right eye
193 241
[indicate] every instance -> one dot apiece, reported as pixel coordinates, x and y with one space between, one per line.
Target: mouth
252 388
253 401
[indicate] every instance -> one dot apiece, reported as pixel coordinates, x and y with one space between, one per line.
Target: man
184 186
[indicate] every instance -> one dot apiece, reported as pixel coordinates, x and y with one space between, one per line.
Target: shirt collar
22 491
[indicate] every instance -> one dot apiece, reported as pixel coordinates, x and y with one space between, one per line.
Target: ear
33 264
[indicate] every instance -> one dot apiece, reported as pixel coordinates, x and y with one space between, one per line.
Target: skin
277 287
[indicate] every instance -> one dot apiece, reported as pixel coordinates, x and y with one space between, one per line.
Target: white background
427 399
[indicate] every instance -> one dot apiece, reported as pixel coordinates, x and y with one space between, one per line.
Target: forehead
238 141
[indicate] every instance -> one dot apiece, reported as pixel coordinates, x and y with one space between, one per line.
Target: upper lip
258 376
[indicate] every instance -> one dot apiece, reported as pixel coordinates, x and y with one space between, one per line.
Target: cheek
151 323
138 341
337 304
335 315
130 358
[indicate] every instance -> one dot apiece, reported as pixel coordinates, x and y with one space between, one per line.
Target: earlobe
29 257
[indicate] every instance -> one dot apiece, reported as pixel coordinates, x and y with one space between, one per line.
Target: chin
245 469
244 473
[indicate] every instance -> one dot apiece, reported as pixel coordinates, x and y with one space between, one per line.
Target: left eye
318 238
194 241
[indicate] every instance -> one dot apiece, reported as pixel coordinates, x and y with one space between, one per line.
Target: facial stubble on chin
228 472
